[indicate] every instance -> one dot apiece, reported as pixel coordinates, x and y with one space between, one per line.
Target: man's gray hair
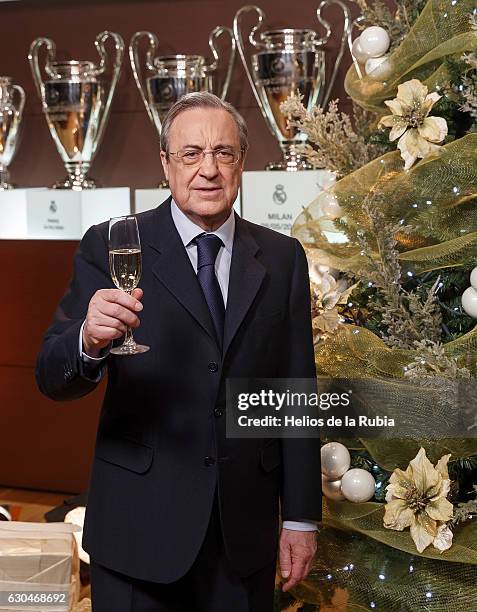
202 99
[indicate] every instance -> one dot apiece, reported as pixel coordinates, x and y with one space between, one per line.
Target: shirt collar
188 230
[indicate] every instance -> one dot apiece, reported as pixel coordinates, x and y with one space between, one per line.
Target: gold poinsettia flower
327 294
417 133
417 498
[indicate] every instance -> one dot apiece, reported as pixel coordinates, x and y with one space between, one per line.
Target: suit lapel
246 277
173 268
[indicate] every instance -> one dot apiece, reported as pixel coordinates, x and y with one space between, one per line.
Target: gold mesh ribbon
367 518
441 31
438 199
355 352
356 573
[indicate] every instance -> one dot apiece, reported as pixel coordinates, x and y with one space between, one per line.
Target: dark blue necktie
208 246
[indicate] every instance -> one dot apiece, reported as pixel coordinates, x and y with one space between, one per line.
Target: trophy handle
34 63
214 35
241 49
21 105
136 64
99 43
346 37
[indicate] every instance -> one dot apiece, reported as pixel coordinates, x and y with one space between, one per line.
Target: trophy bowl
12 103
285 62
162 80
175 76
76 101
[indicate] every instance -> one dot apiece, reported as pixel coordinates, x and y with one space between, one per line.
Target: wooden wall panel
44 444
40 275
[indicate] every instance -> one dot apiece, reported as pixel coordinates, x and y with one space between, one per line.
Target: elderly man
180 517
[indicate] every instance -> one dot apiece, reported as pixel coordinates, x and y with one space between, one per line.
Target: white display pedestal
58 214
146 199
150 198
275 198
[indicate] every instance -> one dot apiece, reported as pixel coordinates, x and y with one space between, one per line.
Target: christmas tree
392 247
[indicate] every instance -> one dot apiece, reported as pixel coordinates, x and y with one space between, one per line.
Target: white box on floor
146 199
275 198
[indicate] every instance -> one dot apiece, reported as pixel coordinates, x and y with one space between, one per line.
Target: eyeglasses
194 157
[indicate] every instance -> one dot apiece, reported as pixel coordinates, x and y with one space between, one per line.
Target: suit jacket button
213 367
209 461
218 412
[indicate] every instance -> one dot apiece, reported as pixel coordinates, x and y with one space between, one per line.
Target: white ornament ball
469 302
332 489
374 41
383 70
335 460
357 52
358 485
473 278
329 206
374 62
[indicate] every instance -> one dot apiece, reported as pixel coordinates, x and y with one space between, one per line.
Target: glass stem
128 336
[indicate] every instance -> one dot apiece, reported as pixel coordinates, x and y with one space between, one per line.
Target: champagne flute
125 264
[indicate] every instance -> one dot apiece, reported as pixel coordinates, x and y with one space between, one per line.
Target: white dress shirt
188 230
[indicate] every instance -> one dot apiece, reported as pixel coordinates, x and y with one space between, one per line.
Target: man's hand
110 311
297 549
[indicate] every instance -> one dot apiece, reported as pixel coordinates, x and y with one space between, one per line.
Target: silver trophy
162 80
289 61
12 103
76 99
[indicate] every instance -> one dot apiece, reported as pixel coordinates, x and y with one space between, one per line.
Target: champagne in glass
125 264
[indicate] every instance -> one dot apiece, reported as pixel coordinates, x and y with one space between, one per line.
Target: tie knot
208 246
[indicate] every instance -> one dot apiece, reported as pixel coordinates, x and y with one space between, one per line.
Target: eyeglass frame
204 152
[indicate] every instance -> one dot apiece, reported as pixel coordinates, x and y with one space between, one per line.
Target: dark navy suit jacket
161 448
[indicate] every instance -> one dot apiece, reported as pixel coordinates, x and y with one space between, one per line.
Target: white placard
98 205
54 214
275 198
58 214
13 214
146 199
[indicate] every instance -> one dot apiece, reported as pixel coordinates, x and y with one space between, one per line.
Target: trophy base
5 184
289 166
292 160
76 183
